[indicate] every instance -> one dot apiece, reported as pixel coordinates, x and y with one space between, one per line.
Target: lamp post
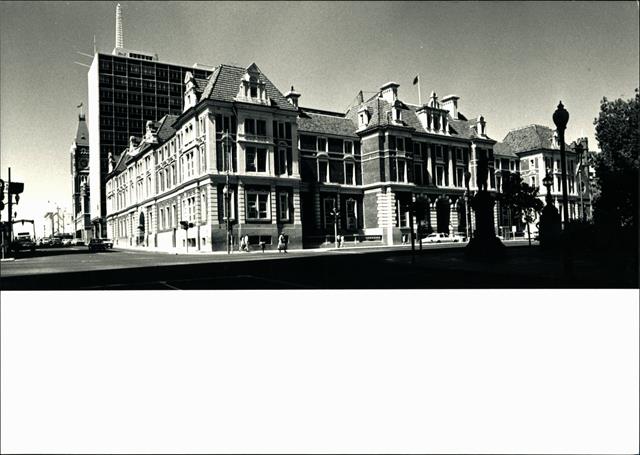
579 150
547 181
561 118
226 189
467 178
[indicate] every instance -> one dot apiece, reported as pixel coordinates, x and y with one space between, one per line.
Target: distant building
79 152
534 151
125 89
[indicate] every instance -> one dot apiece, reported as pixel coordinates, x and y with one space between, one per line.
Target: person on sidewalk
282 243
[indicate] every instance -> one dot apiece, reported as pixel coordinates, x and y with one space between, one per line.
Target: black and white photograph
340 191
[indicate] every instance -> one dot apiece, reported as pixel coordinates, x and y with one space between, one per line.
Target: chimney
292 96
119 37
450 103
389 92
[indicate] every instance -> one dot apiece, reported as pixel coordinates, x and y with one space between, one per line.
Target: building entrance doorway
443 213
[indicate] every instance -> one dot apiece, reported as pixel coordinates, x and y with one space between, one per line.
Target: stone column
433 214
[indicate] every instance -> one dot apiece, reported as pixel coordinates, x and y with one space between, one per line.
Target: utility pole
9 206
413 240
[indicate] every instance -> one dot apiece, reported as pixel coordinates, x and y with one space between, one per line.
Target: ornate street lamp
561 118
580 152
467 178
226 189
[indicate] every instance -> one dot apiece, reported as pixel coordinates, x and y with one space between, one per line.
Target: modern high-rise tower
126 89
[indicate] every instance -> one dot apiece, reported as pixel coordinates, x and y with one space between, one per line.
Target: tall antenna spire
119 37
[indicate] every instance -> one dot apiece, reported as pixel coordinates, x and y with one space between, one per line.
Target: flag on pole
415 80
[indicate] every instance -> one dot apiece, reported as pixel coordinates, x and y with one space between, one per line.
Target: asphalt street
440 266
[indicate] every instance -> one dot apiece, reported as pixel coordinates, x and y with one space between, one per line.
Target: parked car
23 244
56 242
436 237
108 242
97 245
77 242
66 242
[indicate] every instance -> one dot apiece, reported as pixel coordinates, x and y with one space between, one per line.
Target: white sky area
508 61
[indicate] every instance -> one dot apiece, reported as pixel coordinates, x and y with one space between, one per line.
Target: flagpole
419 96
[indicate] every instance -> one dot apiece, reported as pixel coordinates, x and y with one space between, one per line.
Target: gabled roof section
165 127
82 133
531 137
502 149
223 85
331 123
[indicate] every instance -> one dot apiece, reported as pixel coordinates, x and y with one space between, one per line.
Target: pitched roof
502 149
325 123
531 137
165 127
223 85
82 133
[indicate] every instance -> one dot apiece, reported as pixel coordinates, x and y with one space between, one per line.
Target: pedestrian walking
282 243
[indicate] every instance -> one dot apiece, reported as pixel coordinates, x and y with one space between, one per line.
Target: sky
511 62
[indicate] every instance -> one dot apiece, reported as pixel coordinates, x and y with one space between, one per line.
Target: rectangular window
348 148
254 91
282 161
249 126
257 205
401 173
348 173
283 206
322 144
417 174
459 155
392 142
322 171
400 144
439 153
251 159
439 175
460 177
262 160
261 128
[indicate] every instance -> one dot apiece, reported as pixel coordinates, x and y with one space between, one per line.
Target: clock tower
80 180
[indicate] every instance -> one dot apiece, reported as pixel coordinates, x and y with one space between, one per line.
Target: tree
617 165
521 198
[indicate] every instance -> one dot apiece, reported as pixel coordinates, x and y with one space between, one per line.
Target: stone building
369 174
534 151
178 171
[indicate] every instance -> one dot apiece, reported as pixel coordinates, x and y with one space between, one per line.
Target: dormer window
363 117
396 114
252 87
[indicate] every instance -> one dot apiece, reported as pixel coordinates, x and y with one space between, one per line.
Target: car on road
66 242
441 237
77 242
56 242
23 244
97 245
108 242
